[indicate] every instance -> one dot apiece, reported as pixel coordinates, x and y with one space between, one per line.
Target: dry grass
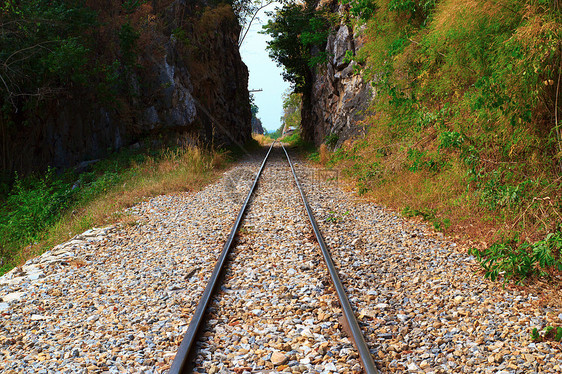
262 139
324 154
451 11
179 170
398 188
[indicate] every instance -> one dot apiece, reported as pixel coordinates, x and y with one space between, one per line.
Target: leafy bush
451 139
521 260
32 205
362 9
298 36
493 193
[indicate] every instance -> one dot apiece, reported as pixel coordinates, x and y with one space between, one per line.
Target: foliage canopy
299 33
44 46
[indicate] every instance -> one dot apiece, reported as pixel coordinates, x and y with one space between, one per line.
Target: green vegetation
519 261
466 132
292 105
299 33
551 333
41 211
428 215
276 134
334 217
292 139
361 9
43 46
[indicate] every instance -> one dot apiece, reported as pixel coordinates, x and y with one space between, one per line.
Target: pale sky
264 74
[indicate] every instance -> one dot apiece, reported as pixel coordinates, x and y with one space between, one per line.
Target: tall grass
466 132
262 139
41 211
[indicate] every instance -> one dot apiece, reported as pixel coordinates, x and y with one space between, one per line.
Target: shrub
521 260
32 205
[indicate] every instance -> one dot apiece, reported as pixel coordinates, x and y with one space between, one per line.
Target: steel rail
180 363
357 336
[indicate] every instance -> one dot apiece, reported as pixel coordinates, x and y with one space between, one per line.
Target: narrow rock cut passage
119 299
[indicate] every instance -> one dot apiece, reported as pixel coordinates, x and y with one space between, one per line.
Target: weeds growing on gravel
41 211
515 260
548 333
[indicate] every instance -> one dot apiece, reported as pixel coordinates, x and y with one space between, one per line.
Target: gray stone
341 44
339 97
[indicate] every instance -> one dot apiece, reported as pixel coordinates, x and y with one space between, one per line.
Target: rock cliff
195 86
339 96
257 126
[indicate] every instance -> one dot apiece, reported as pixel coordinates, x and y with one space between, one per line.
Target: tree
292 103
299 33
42 47
247 11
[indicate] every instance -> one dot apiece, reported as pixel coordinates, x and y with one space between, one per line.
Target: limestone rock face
176 105
257 126
199 95
339 96
220 84
339 45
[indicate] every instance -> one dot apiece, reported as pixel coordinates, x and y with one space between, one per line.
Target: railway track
240 321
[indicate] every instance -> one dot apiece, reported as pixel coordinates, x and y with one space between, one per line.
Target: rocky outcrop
76 129
220 81
257 127
339 96
199 94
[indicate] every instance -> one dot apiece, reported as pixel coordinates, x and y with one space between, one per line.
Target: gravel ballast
119 299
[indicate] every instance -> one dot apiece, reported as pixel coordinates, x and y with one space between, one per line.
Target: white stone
14 296
402 317
413 367
330 366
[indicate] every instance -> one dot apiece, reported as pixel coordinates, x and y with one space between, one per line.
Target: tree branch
247 28
5 63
